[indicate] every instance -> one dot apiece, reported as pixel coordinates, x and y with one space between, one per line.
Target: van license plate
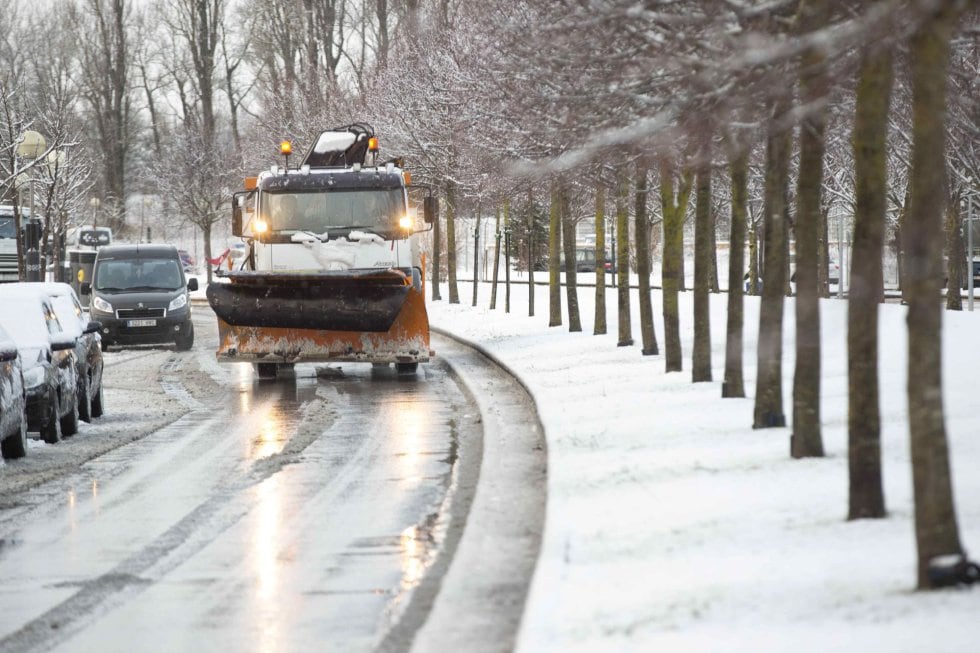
141 323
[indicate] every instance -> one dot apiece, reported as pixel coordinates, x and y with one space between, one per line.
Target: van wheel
69 423
51 431
185 338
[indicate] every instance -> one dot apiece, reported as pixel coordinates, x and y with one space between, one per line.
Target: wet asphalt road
292 515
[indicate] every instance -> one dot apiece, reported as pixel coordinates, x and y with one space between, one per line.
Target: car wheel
69 423
84 401
406 368
106 343
15 446
51 431
266 370
98 403
185 338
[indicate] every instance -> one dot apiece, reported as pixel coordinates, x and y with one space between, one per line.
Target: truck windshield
319 212
138 274
7 226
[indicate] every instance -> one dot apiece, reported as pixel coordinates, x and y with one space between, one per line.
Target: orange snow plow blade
369 316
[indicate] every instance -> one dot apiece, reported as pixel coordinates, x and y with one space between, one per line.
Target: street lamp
30 145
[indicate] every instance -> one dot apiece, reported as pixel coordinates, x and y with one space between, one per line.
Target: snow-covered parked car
88 347
47 353
13 400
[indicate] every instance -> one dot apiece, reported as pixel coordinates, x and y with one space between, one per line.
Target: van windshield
117 275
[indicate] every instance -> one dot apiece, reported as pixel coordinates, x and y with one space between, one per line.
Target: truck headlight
101 305
180 301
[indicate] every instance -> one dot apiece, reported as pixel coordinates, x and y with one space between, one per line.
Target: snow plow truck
332 269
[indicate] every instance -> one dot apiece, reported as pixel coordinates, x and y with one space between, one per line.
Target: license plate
141 323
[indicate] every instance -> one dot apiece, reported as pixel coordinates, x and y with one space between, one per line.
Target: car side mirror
7 354
192 284
85 288
93 326
62 341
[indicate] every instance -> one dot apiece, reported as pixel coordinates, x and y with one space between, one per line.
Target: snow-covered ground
672 525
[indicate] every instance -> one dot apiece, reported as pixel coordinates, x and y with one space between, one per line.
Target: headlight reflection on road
408 422
415 551
266 534
271 437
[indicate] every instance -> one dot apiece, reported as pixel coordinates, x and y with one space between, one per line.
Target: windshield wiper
151 288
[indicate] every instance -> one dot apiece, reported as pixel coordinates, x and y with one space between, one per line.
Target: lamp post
30 145
57 221
506 268
145 202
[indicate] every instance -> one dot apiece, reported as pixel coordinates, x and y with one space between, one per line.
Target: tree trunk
496 257
806 440
673 210
642 228
568 239
451 241
530 253
866 494
600 260
734 384
955 255
701 353
753 273
768 410
554 269
623 260
436 258
476 253
936 531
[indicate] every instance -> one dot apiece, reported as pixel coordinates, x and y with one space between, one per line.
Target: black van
141 296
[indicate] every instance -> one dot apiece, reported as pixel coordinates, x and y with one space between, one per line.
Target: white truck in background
8 244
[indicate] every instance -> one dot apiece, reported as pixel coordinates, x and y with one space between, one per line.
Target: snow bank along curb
482 597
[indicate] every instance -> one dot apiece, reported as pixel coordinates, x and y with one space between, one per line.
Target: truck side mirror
236 218
430 209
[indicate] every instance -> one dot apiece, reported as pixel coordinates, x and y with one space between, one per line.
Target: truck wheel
405 369
266 370
51 431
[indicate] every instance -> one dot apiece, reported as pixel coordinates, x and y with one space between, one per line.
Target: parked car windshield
138 274
25 321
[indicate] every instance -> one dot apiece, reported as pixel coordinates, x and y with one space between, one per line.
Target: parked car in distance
140 295
47 354
13 400
88 346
